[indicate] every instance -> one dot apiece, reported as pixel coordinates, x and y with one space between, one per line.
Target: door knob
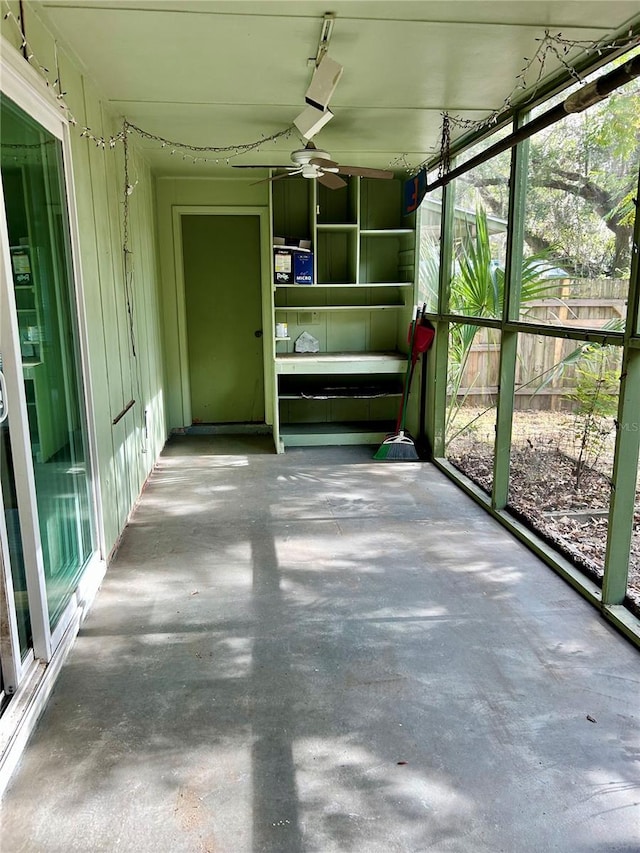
258 333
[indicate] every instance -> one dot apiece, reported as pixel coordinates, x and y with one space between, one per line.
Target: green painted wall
127 451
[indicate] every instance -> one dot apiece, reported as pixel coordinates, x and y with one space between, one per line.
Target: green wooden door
223 306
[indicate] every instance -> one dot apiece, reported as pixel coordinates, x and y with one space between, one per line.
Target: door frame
268 346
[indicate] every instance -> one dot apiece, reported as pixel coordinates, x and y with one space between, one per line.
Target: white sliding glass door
47 528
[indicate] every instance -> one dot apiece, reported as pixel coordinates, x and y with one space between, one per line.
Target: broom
420 340
400 447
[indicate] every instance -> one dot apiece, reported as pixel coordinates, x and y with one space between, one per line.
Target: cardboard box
21 265
292 266
292 243
303 267
282 266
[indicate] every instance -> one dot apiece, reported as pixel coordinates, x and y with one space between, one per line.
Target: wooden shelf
330 396
316 388
385 232
340 362
352 285
338 226
337 433
369 307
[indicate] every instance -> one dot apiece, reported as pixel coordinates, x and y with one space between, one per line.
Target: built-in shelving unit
358 309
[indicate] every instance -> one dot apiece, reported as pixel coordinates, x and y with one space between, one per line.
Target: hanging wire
129 290
126 251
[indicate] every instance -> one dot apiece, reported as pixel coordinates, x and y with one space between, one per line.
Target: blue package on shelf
303 267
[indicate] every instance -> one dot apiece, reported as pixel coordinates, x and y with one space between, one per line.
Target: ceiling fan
312 162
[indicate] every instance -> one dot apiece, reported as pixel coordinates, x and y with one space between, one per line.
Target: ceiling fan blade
257 166
321 161
363 172
325 165
330 180
276 177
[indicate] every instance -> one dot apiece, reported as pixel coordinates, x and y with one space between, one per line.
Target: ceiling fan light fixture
304 156
323 83
311 120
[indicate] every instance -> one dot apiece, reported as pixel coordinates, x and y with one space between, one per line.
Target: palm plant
429 270
477 290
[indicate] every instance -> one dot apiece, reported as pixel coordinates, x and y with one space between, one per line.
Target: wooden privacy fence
581 303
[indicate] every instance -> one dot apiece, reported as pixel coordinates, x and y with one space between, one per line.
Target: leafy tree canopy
581 183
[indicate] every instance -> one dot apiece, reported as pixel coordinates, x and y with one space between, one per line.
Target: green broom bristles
398 448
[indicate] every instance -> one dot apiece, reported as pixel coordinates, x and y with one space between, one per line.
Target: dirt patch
545 493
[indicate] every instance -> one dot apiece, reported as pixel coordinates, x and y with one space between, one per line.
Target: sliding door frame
24 87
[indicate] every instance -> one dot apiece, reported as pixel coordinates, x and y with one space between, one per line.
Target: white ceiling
220 72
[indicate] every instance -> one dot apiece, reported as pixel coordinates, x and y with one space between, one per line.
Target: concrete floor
316 652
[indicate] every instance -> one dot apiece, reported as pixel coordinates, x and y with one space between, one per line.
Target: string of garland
29 55
129 291
550 45
445 147
19 152
556 45
28 146
195 153
126 250
560 48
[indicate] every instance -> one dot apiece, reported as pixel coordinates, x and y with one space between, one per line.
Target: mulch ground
545 495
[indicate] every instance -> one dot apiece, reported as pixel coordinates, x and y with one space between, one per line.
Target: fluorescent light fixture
323 83
311 120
